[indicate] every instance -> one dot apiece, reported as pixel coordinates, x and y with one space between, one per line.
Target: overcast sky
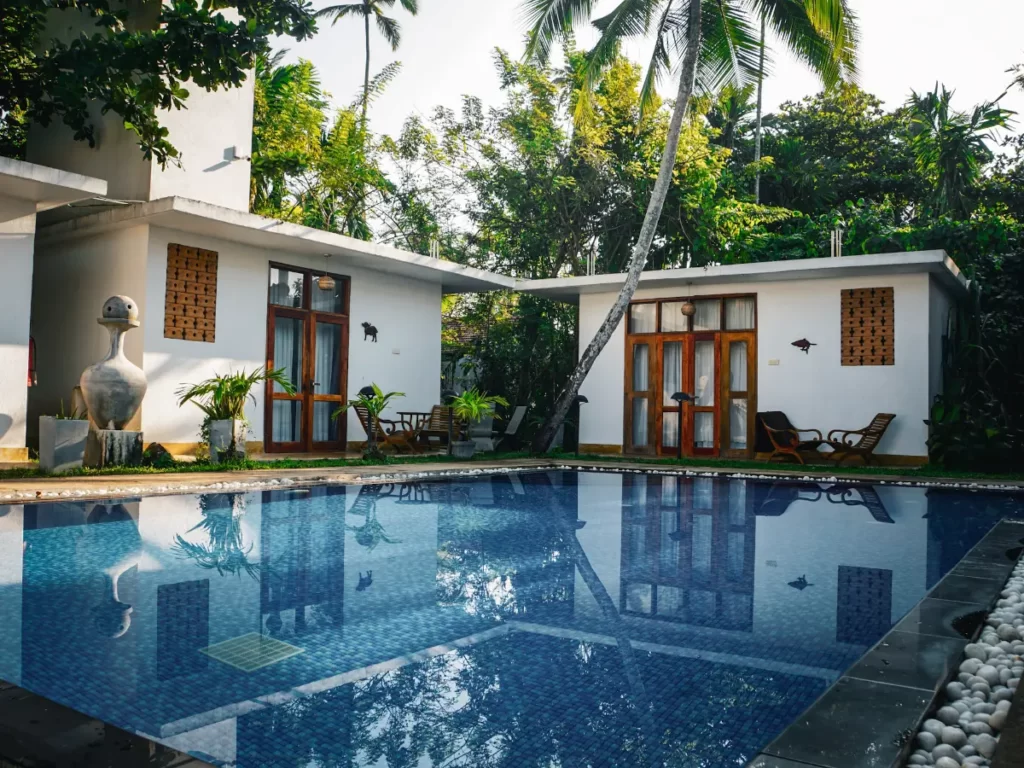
447 50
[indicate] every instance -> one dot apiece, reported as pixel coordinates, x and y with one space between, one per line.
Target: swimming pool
533 619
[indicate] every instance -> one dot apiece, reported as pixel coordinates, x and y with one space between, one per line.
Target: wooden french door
739 393
688 363
708 354
307 336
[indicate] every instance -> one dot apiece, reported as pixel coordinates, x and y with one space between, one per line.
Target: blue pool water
543 619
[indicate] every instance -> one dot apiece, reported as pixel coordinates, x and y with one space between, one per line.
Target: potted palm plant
62 440
470 407
222 400
370 404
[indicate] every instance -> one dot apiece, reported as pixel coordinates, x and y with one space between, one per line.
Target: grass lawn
184 467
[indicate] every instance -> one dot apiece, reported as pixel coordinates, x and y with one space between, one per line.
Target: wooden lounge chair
859 442
786 440
436 425
400 435
509 436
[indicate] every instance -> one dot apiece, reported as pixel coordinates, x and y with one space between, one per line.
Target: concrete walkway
107 486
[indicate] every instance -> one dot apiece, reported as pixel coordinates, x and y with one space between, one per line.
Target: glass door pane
737 392
328 388
288 350
640 410
671 383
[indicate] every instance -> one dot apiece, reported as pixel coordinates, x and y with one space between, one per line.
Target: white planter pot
61 443
463 449
222 434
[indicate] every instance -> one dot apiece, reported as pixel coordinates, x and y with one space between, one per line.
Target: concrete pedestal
113 448
227 440
61 443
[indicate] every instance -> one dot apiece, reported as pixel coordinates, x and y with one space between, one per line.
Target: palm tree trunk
638 259
366 69
757 128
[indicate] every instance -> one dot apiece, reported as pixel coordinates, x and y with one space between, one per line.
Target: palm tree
951 147
387 26
715 42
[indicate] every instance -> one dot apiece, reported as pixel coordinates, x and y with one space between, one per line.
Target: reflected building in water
463 603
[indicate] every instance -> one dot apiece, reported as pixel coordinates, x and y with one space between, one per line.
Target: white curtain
738 366
704 430
326 381
642 317
708 316
639 421
641 368
739 314
738 423
704 372
672 318
287 415
671 383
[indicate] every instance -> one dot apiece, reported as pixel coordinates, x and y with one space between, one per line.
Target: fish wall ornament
804 345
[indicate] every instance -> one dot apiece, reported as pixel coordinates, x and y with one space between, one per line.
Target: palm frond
821 33
412 6
336 12
660 64
729 49
630 18
389 28
548 20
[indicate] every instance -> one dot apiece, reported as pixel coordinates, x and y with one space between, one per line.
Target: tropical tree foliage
132 69
715 44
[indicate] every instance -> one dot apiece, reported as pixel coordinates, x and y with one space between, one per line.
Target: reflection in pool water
549 618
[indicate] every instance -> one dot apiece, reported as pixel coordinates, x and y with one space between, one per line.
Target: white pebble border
965 731
340 478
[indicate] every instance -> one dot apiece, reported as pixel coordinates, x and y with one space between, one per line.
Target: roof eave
259 231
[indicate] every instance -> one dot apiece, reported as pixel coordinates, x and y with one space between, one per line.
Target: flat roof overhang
261 232
937 263
46 187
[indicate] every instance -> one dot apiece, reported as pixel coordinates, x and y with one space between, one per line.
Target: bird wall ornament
804 345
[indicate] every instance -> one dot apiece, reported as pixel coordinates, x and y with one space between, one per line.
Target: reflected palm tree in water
225 550
371 533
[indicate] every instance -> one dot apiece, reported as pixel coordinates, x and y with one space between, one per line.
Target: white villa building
830 342
220 289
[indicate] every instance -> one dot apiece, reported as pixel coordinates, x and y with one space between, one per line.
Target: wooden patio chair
859 442
786 440
436 425
400 435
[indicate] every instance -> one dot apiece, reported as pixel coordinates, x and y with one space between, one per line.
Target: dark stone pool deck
869 717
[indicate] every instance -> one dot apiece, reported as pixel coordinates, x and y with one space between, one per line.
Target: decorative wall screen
190 306
868 326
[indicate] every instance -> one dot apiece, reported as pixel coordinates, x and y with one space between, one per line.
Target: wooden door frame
655 341
629 395
304 387
726 394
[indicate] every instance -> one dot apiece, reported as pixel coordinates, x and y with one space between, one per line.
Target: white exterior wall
73 278
215 125
207 133
17 235
813 389
407 314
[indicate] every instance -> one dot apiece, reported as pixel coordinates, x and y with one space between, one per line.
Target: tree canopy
132 60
